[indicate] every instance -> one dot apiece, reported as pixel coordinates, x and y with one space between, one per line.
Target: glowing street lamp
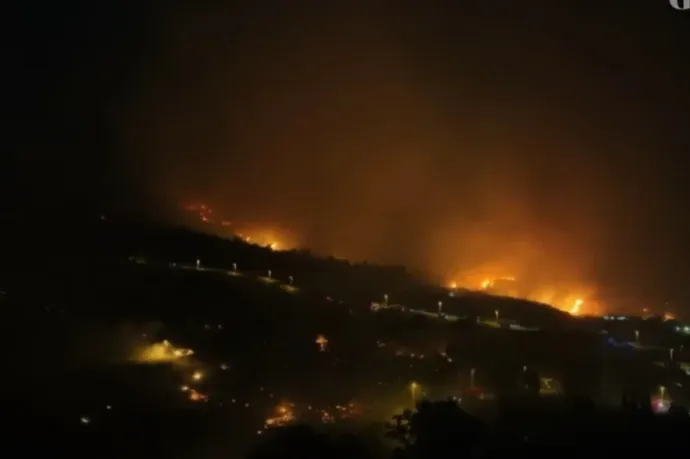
322 342
414 387
524 376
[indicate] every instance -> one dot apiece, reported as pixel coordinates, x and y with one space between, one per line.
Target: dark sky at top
546 140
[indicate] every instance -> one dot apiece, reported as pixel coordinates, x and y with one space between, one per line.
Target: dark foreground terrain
294 362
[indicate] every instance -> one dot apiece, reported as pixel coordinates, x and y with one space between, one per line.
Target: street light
413 392
524 377
322 341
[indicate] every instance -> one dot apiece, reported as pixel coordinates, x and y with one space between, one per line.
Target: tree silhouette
305 442
435 429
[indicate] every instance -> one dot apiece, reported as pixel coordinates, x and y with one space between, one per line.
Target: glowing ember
283 415
326 417
196 396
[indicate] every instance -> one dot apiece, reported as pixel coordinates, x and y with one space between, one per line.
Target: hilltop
104 243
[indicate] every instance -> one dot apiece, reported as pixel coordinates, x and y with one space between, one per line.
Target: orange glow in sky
497 281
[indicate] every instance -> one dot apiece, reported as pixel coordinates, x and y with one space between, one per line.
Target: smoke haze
469 142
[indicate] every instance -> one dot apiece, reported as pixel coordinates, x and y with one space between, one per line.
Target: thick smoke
469 146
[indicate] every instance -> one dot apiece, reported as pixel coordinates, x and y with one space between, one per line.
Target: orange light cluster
339 413
501 285
284 415
264 237
203 211
194 395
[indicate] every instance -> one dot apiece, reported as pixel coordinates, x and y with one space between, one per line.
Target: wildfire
203 211
490 283
265 238
577 306
573 299
284 415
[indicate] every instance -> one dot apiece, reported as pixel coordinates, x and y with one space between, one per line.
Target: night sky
544 140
